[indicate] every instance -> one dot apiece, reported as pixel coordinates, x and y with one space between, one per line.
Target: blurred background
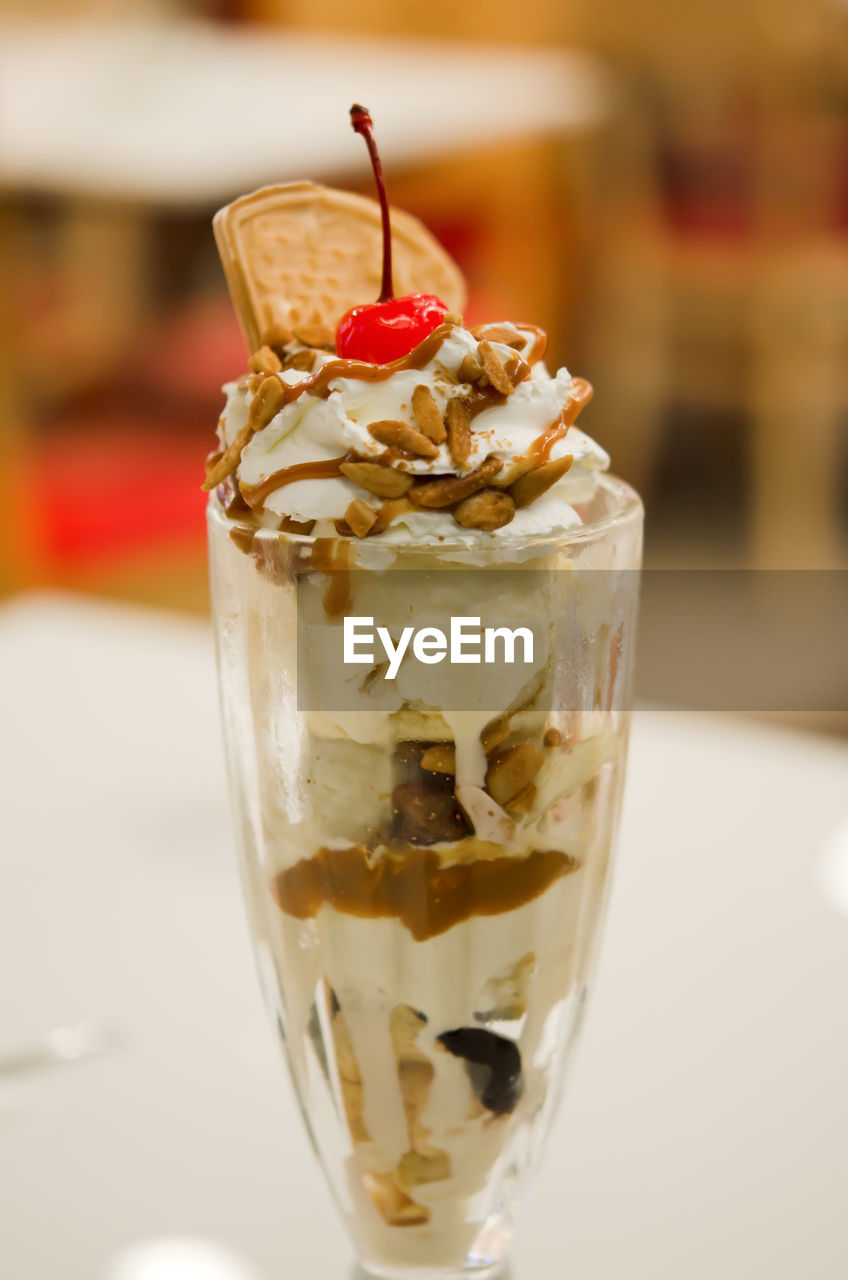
663 187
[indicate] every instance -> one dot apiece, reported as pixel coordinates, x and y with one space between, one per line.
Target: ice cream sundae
425 875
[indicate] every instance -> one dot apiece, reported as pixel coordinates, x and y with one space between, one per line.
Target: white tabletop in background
705 1129
192 113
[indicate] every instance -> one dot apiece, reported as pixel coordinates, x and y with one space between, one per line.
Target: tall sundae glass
424 592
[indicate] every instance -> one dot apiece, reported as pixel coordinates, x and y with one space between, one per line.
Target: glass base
500 1270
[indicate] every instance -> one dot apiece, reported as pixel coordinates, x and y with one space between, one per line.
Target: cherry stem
363 124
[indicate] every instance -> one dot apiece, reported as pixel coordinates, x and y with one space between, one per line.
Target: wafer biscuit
302 254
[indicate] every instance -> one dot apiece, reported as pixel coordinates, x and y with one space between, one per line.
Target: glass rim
628 506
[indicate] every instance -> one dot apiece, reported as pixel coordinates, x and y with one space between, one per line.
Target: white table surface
189 112
705 1129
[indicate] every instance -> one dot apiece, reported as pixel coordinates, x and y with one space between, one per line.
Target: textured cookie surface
301 254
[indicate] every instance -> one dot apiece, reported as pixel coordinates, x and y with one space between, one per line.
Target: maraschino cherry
390 327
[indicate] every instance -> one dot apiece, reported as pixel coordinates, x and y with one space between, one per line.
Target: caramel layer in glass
412 885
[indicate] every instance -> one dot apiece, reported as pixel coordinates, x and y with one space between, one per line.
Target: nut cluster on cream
466 435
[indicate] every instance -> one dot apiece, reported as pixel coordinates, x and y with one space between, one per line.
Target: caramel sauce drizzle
332 557
411 885
243 538
319 383
540 449
540 344
480 399
255 494
581 395
540 339
389 510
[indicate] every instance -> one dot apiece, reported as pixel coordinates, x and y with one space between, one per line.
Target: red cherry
382 331
391 327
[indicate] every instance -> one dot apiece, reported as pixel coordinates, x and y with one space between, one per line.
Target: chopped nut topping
254 382
524 801
268 400
530 487
303 360
399 435
488 509
315 335
469 370
502 333
350 1076
419 1167
228 461
360 517
383 482
496 732
504 996
395 1207
511 770
427 414
451 489
287 525
389 511
517 370
514 468
276 336
440 758
452 317
266 403
459 431
493 369
265 361
553 738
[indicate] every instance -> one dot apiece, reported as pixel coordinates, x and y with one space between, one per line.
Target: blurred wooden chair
723 276
490 23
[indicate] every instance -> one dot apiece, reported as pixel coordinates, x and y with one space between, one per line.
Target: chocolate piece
494 1066
424 816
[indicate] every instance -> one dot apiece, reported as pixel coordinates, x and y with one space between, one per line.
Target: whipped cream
320 428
